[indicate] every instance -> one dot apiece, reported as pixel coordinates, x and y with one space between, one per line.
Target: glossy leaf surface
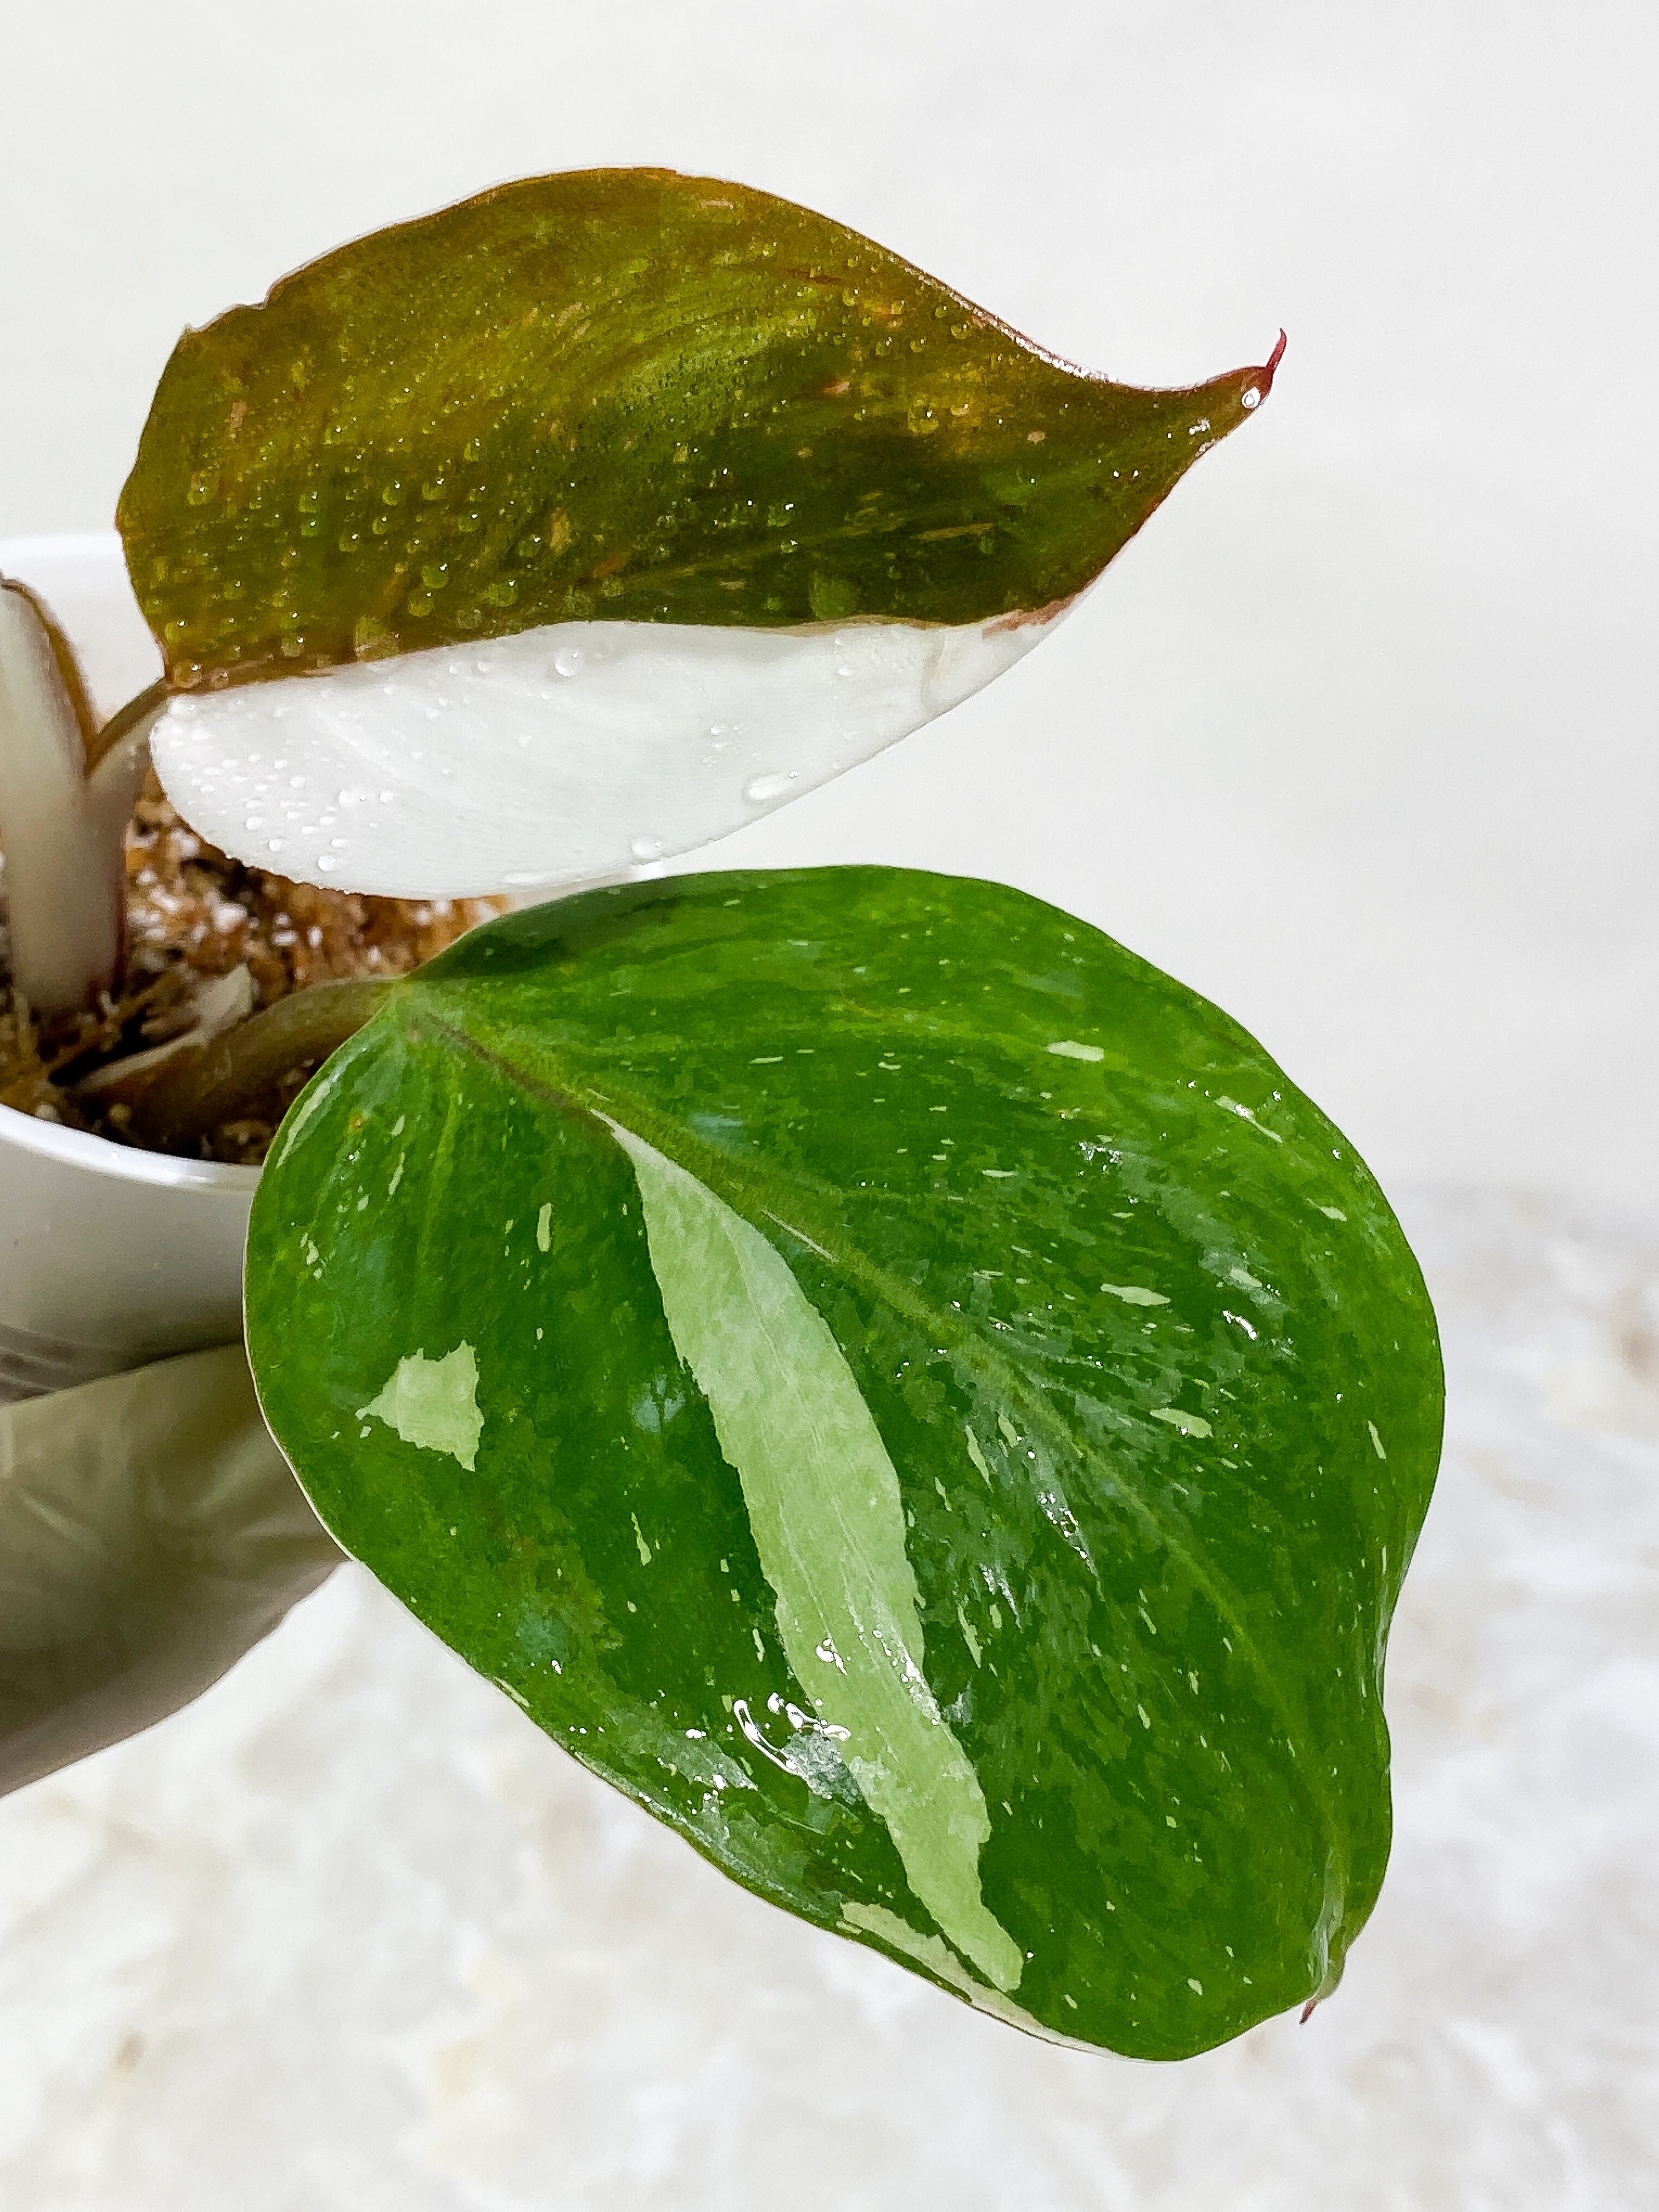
905 1390
623 395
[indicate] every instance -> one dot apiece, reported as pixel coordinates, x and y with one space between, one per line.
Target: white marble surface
348 1935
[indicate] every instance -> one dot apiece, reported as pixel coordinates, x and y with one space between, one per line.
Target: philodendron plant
908 1393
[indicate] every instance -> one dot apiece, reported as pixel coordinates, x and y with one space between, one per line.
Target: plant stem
146 708
206 1087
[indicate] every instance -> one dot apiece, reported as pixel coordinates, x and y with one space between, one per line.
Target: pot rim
122 1162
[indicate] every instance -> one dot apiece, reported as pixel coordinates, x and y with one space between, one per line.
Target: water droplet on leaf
760 788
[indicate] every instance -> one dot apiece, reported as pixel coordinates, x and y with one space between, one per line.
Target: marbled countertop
348 1932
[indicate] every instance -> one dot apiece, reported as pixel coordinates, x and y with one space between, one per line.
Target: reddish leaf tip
1256 393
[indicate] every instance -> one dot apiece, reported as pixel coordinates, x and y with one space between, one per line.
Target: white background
1359 737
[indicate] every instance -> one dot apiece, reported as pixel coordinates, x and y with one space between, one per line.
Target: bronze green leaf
631 395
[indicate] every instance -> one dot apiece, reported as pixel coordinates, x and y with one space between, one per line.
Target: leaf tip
1254 394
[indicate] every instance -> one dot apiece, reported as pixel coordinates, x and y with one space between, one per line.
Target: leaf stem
146 706
207 1086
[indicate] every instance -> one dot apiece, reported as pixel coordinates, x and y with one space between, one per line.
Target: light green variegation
828 1526
908 1393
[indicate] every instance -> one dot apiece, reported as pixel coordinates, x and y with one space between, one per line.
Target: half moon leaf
618 468
902 1388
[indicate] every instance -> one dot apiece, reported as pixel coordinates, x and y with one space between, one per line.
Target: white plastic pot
108 1256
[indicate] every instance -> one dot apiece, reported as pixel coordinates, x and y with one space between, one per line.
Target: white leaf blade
557 756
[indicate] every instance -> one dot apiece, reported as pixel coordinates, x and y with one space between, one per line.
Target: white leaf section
828 1518
64 877
562 754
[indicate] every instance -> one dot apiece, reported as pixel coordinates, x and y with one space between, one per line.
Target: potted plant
911 1395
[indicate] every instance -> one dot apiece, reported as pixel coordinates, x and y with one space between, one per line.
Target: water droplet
647 849
1252 398
325 863
273 844
567 661
760 788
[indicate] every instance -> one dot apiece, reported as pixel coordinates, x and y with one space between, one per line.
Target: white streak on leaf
1190 1425
1248 1113
318 1095
928 1951
828 1519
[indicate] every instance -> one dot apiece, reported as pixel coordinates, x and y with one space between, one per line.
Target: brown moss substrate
192 915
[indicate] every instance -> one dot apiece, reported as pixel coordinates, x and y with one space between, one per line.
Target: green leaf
623 395
719 498
908 1393
150 1534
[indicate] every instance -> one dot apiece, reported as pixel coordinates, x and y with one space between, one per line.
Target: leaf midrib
741 1186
